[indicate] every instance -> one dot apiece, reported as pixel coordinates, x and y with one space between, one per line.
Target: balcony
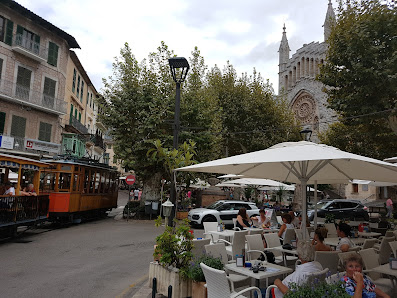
76 126
29 48
17 93
29 145
97 141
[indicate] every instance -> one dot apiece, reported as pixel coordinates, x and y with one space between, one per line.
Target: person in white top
302 272
287 225
345 243
10 190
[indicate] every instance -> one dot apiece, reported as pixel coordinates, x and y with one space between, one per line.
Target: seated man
302 272
28 191
10 190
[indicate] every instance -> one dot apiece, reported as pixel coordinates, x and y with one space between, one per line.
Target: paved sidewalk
146 292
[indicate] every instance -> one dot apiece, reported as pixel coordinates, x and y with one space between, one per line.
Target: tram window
47 181
92 180
66 168
86 178
97 181
76 168
76 182
64 181
106 189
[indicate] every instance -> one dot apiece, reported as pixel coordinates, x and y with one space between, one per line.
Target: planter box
198 290
181 214
169 277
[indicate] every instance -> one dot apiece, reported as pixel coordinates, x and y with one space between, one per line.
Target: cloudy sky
246 33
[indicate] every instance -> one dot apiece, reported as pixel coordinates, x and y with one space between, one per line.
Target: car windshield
214 205
324 205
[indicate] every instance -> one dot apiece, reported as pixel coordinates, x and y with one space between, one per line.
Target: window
47 181
78 86
27 40
71 110
23 83
52 54
80 116
49 92
91 103
64 181
45 132
355 187
75 113
88 96
2 122
6 28
1 67
82 91
364 187
18 126
74 81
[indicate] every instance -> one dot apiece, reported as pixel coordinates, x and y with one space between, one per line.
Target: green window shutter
78 86
49 87
19 29
18 126
52 54
23 76
37 38
79 116
75 113
9 29
74 81
71 111
82 91
1 67
2 122
45 132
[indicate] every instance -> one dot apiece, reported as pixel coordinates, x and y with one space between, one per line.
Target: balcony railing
97 141
29 47
48 103
78 125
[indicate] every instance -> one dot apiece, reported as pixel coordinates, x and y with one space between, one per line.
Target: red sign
130 179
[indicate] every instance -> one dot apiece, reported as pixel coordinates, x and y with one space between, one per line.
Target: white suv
224 210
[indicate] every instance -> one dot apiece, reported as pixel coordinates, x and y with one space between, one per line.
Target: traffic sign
130 179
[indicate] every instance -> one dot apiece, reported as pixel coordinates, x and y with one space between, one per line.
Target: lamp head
306 134
179 68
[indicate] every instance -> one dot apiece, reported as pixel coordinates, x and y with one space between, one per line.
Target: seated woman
318 240
343 231
357 284
28 190
286 218
302 272
242 219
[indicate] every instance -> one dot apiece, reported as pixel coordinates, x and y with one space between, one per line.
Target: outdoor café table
285 252
271 270
335 241
385 269
226 234
369 234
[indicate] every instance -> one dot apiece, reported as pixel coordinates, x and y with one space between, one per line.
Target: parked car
341 209
223 210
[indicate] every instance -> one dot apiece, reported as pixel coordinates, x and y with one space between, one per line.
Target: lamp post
167 209
179 67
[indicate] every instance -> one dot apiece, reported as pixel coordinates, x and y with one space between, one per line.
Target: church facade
297 80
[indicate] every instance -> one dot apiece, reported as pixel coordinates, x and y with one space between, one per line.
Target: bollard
154 287
169 291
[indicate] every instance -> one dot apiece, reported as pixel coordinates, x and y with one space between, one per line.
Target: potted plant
317 289
174 254
195 273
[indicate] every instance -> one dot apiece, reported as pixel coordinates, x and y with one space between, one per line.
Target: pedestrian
139 194
389 206
136 194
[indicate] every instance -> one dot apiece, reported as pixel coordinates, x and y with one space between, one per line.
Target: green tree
360 75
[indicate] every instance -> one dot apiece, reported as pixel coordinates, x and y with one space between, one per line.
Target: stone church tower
297 80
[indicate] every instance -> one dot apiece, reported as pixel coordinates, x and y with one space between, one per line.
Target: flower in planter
195 272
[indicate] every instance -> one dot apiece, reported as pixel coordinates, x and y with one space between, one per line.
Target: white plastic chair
237 245
385 250
393 246
370 259
328 259
369 243
235 225
218 284
299 234
272 240
289 236
198 247
210 226
255 247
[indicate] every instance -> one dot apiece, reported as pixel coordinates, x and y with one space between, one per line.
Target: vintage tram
19 208
79 189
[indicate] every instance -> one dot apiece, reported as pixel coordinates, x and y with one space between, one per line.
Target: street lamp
179 67
306 134
167 209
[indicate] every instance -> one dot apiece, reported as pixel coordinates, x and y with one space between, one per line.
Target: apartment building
34 57
82 135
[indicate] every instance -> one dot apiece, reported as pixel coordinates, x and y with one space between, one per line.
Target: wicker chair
208 227
393 246
255 247
218 284
385 250
369 243
328 259
237 245
198 247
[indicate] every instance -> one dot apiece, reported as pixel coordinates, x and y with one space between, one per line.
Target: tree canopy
361 77
221 113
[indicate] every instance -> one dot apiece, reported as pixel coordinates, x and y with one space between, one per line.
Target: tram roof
80 162
23 160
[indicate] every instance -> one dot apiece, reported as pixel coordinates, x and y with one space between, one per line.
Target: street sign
130 179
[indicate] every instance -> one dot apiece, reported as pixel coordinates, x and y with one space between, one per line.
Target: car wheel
209 218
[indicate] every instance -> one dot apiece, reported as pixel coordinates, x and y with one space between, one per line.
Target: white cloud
247 33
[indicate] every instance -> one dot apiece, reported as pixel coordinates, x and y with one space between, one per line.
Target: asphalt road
103 258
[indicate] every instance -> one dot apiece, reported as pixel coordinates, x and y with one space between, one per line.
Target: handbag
269 256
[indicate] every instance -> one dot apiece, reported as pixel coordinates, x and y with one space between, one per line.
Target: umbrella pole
315 205
304 208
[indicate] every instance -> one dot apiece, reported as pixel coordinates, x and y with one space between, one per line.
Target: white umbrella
257 181
301 162
227 184
372 183
229 176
